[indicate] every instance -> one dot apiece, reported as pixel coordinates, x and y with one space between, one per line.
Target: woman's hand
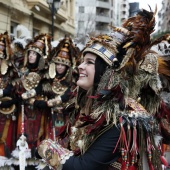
53 153
54 102
47 153
31 101
29 94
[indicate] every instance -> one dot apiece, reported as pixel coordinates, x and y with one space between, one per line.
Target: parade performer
163 49
7 106
30 127
115 104
57 87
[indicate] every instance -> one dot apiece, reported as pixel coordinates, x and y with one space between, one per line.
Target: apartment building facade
36 15
164 17
95 16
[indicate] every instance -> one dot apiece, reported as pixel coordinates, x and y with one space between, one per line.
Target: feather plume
24 32
140 27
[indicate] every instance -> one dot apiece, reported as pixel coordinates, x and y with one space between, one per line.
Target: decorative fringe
134 148
141 144
150 166
164 161
123 142
132 167
123 167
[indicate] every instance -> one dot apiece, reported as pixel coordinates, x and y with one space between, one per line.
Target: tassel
132 167
134 148
122 139
7 151
164 161
150 165
123 167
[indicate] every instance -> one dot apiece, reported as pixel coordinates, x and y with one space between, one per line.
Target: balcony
102 30
102 4
102 18
45 11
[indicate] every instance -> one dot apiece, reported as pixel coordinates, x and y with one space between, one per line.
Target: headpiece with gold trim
7 110
42 45
64 53
5 51
133 37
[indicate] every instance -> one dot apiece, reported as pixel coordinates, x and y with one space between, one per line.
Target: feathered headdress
133 67
18 45
65 52
133 38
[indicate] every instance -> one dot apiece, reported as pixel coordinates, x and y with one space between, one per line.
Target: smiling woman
112 121
87 71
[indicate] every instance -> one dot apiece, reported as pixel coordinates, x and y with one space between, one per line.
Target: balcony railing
104 19
102 4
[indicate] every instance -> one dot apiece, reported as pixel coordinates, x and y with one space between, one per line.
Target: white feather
3 161
15 153
41 165
54 44
24 31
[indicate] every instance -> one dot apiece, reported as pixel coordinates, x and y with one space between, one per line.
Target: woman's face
87 71
61 68
32 57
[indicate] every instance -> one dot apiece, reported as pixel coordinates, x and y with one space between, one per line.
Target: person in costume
7 105
57 87
60 72
30 127
113 123
163 49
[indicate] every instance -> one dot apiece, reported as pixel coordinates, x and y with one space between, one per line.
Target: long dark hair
83 98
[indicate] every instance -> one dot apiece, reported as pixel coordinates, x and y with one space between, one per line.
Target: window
111 14
123 12
14 29
80 24
35 32
81 9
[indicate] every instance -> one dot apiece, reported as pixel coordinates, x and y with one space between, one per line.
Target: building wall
164 17
95 18
133 8
14 12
